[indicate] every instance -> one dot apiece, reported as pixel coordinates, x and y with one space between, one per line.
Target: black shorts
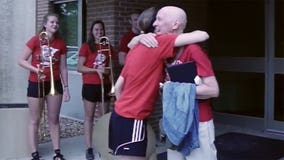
32 90
127 136
93 92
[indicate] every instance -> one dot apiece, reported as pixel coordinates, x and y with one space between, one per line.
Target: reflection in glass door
237 50
276 113
279 97
71 23
247 52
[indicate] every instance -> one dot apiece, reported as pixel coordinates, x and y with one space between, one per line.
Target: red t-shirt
142 73
204 69
94 59
125 40
57 48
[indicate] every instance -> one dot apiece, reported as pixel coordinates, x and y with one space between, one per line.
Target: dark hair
45 19
146 19
91 38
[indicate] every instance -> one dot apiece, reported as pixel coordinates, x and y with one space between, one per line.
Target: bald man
169 20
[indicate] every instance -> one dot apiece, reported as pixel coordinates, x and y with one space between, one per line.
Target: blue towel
180 115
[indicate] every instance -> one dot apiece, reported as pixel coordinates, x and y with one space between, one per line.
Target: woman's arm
191 37
63 70
148 40
82 68
23 61
209 88
64 78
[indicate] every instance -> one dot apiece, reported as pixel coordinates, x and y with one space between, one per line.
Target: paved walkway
72 149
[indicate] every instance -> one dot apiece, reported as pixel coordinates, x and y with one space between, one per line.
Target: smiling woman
44 57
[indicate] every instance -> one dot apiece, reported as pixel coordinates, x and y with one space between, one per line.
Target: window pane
240 93
68 14
279 100
236 28
279 32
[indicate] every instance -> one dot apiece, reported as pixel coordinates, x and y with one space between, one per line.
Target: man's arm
118 86
121 57
208 88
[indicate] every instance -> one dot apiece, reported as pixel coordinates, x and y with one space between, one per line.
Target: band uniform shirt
57 48
126 38
142 74
93 59
204 67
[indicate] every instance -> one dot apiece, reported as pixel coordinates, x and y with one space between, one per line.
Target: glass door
247 50
275 49
237 50
71 23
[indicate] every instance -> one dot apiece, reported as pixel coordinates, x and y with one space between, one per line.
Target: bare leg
34 120
100 110
53 112
89 109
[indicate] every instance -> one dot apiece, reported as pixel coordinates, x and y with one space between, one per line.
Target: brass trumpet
44 57
45 52
41 95
104 41
104 46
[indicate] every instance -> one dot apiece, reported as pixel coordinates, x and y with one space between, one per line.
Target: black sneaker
35 156
58 155
90 154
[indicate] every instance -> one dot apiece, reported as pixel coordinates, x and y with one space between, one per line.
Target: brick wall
42 8
115 13
102 10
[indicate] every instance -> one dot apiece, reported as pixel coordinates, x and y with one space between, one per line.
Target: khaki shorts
207 150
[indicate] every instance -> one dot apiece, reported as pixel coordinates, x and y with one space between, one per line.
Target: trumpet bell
45 46
52 91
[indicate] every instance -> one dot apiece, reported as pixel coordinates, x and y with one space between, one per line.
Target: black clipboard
184 72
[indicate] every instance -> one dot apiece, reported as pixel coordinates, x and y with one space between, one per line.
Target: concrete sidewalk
72 148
